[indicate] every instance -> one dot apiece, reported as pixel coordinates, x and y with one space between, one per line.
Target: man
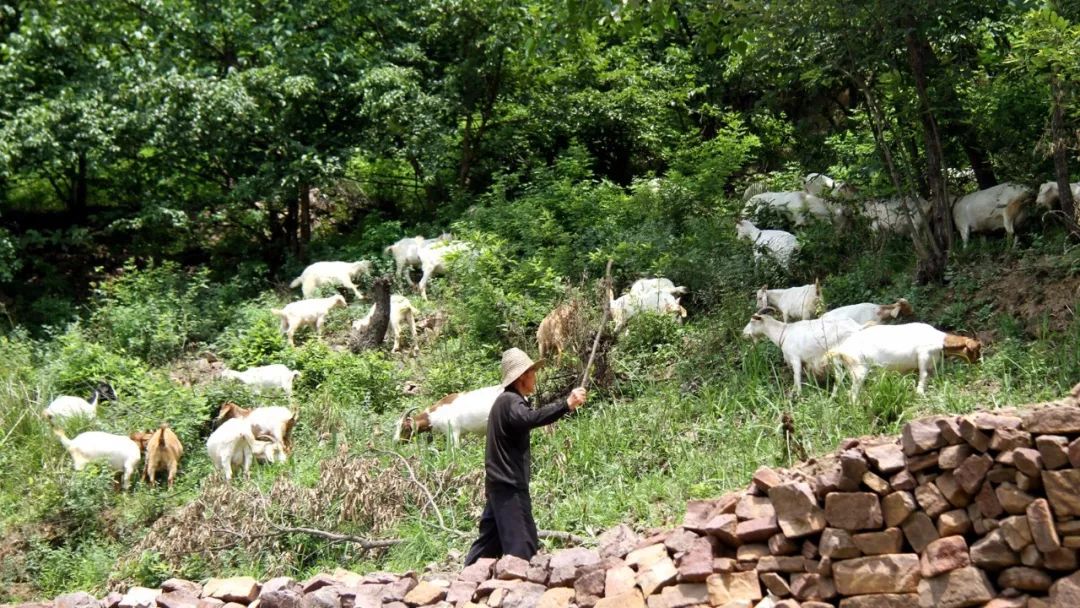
507 526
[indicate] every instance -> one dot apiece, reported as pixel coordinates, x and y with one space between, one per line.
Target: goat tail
296 282
388 250
277 312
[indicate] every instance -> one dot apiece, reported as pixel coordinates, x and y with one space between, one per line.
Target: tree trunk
77 201
465 166
373 335
980 164
305 217
292 222
932 267
1060 147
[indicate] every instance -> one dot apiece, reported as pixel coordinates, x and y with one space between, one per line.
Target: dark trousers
507 526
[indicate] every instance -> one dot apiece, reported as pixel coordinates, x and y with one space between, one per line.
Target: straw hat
515 363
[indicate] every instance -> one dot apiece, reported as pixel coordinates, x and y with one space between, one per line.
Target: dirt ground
1033 290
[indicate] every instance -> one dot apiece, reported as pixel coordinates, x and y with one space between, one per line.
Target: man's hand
576 398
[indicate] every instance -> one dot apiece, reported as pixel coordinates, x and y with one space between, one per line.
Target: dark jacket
506 459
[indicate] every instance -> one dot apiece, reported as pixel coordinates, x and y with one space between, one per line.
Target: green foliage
366 382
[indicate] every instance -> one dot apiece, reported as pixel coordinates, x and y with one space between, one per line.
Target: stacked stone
975 510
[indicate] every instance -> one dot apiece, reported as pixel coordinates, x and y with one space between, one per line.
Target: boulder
898 573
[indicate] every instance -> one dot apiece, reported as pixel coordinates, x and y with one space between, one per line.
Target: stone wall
975 510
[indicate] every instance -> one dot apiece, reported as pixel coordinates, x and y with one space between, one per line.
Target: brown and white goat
556 329
453 415
163 451
275 421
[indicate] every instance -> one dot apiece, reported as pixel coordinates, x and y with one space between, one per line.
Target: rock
462 591
920 436
630 599
317 582
775 583
752 552
898 573
558 597
427 593
81 599
1024 579
1062 491
619 580
521 594
953 456
812 587
765 479
853 510
1053 420
1016 532
723 528
210 602
1041 522
890 540
538 568
728 587
1062 559
753 507
698 513
944 555
324 597
679 541
479 571
917 464
782 545
954 522
172 599
686 594
239 589
1013 499
566 563
876 484
919 530
657 575
646 556
797 511
837 544
283 597
976 438
991 552
931 499
756 530
511 567
896 507
396 591
987 502
1028 461
186 586
1053 449
277 584
140 597
883 600
778 563
852 468
697 563
946 483
1005 440
956 589
589 587
971 472
887 458
950 429
369 595
1065 592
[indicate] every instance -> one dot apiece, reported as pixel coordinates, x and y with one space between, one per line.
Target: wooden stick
603 323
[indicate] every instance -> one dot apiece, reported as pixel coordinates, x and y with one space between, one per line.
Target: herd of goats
851 339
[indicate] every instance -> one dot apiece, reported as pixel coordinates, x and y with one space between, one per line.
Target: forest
168 167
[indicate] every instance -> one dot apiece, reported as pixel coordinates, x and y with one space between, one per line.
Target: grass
691 412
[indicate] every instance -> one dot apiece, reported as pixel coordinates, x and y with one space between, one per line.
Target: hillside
169 168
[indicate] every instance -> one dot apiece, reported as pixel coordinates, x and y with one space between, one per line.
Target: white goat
307 312
406 251
794 303
799 206
401 312
266 377
234 444
891 214
755 188
801 342
629 305
869 312
121 453
1002 206
452 415
898 347
276 421
1049 195
66 406
331 273
822 185
433 260
778 244
642 286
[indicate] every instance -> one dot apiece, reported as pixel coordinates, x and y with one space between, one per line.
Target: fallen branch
564 536
424 488
334 537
